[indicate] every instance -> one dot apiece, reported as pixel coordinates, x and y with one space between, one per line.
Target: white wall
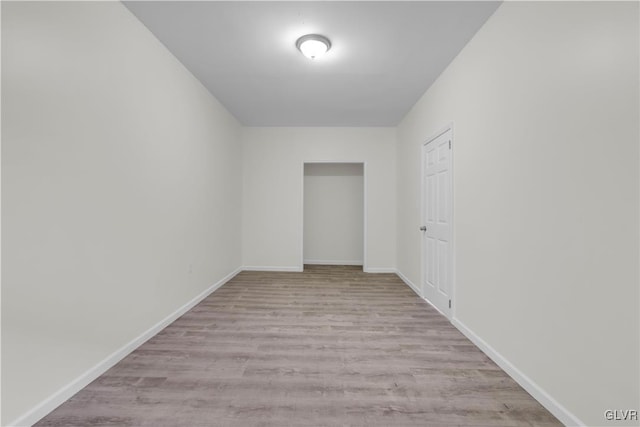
273 190
334 213
544 101
121 181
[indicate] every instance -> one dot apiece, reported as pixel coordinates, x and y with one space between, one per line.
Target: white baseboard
408 282
436 308
559 411
416 290
270 268
329 262
379 270
66 392
538 393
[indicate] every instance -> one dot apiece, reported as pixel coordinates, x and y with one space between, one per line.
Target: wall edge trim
271 268
408 282
379 269
545 399
56 399
565 416
333 262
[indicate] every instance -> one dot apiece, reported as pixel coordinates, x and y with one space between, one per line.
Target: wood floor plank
331 346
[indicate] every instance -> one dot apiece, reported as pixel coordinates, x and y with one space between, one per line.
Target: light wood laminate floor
332 346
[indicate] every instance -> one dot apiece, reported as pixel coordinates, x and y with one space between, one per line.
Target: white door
436 226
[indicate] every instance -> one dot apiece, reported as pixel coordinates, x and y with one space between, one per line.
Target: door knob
423 228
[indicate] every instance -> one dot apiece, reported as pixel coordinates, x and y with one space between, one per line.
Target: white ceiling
384 55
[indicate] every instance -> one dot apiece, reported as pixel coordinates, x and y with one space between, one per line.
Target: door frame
364 219
452 252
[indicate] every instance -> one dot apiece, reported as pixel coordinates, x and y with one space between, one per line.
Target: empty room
320 213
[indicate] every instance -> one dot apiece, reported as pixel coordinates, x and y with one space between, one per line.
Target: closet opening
334 214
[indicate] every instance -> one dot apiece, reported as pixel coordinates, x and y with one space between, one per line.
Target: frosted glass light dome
313 45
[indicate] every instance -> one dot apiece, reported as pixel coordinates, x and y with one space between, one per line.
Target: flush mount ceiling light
313 45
